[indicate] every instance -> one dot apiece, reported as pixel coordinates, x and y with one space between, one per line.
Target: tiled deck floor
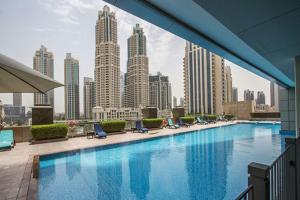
13 163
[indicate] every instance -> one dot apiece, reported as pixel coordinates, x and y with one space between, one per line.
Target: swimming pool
207 164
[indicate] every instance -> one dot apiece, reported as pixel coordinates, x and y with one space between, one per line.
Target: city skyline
164 49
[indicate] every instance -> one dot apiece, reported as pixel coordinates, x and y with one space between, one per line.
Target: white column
297 94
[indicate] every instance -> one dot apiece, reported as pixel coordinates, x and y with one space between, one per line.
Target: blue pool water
208 164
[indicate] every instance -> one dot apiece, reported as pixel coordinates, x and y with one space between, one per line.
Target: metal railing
278 176
277 181
247 194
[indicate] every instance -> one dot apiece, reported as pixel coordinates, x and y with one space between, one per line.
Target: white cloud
67 9
69 20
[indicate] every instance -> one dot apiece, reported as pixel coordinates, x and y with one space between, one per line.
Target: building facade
160 93
235 94
122 89
17 99
43 62
261 99
248 95
181 102
218 83
107 60
228 84
204 80
174 102
72 106
89 97
274 95
137 76
102 114
13 114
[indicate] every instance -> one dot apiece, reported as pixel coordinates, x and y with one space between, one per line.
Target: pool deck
16 165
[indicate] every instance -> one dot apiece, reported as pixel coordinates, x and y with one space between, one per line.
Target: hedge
111 126
152 123
189 120
49 131
229 116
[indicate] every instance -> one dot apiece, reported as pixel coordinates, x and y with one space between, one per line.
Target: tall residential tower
88 97
17 99
274 95
71 87
43 62
107 60
160 93
228 84
137 76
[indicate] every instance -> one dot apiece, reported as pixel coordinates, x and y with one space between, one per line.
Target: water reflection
109 176
73 164
139 168
47 174
203 166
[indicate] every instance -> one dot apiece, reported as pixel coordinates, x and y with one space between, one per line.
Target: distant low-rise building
102 114
241 109
14 114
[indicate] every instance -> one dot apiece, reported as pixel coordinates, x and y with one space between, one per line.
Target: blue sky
69 26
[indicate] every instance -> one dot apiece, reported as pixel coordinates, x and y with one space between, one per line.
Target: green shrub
49 131
188 119
229 116
152 123
210 117
111 126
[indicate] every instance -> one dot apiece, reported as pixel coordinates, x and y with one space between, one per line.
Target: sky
68 26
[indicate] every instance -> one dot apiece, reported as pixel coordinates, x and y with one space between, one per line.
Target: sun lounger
7 139
200 121
99 131
171 124
139 127
181 123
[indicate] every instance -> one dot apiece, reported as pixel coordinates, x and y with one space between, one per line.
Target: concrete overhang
262 36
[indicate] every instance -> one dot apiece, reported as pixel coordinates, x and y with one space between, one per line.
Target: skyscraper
89 97
17 99
248 95
174 102
274 95
43 62
160 93
71 87
218 83
107 60
137 76
122 89
261 99
234 94
228 84
181 102
204 80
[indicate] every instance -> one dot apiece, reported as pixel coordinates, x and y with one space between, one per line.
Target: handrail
280 156
247 194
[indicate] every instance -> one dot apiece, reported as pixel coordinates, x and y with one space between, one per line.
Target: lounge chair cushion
6 138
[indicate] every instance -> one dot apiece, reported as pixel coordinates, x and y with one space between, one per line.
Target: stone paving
14 167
